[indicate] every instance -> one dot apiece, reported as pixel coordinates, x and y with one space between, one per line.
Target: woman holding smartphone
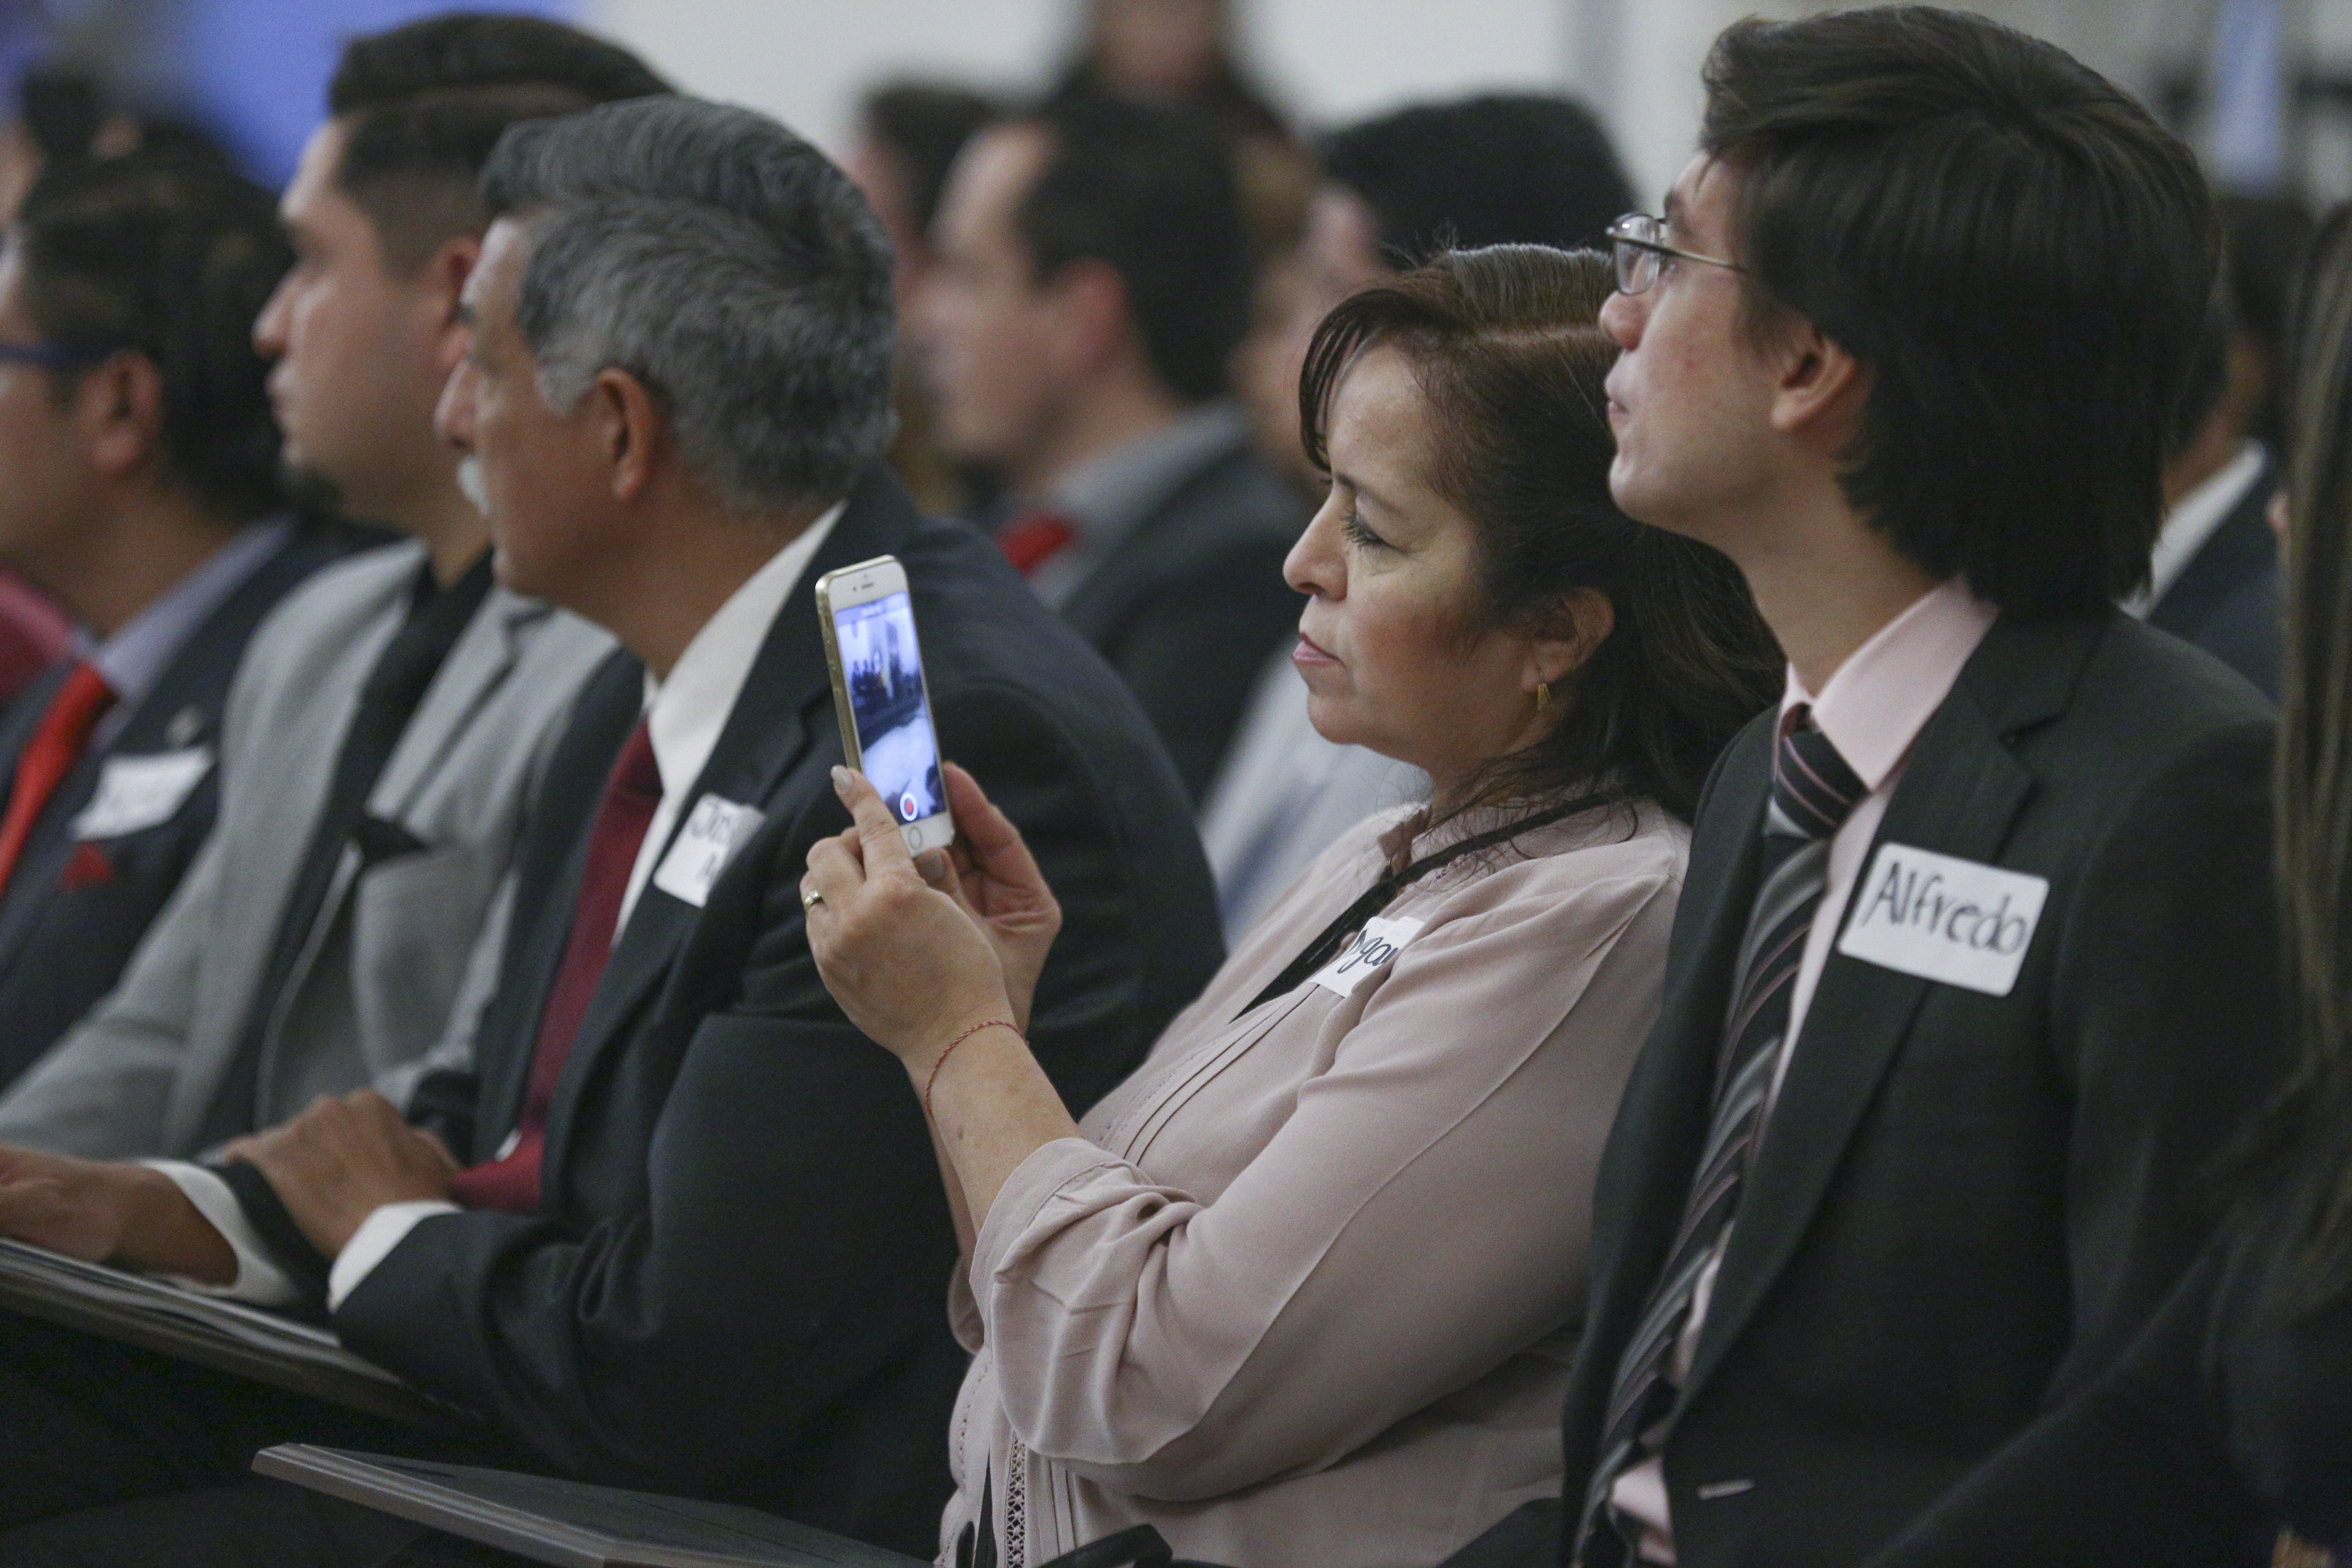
1306 1288
2231 1416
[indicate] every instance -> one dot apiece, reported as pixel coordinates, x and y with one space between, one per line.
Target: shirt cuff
378 1233
259 1278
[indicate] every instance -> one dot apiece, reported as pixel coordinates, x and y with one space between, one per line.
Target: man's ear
1089 303
627 430
118 408
1821 389
444 282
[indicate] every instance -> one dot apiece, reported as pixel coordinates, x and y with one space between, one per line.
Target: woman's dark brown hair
1506 345
2314 1129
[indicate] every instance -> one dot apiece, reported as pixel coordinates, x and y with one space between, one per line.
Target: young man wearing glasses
1974 967
139 485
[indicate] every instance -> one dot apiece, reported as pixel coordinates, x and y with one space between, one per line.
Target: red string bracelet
976 1028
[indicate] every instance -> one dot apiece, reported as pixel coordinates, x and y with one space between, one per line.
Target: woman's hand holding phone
918 951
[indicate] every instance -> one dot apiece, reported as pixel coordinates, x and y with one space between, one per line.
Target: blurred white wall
1636 61
805 61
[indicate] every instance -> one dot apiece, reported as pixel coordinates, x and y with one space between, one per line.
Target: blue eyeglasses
51 355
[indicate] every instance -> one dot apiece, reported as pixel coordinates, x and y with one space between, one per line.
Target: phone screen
883 671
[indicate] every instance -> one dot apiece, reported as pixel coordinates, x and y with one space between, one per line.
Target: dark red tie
49 755
512 1182
1034 538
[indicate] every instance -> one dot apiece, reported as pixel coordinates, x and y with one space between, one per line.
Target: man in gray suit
386 735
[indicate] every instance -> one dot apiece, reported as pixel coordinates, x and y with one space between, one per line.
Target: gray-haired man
694 1239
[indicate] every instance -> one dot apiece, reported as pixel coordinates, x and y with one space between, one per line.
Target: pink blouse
1307 1289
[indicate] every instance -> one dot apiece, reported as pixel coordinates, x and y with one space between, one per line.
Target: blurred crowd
1626 888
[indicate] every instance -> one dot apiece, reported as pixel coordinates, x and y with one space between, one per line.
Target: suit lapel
1663 1122
1960 792
767 734
181 710
548 871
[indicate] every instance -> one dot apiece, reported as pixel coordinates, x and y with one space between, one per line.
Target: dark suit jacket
2226 600
736 1287
2228 1418
1963 1204
1190 605
74 910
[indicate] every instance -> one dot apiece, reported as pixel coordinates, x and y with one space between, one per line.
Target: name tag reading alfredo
1940 918
139 793
714 830
1377 945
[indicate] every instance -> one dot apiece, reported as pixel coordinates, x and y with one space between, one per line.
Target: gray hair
724 262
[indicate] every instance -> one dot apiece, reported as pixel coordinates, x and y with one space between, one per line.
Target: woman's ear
1580 622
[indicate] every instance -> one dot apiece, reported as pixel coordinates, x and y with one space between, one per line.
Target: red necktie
512 1182
1034 538
49 755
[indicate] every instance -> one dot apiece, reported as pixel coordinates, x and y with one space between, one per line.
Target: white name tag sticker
1940 918
137 793
714 830
1376 945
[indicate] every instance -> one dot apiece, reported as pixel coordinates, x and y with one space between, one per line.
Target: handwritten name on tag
1375 947
714 830
136 793
1941 918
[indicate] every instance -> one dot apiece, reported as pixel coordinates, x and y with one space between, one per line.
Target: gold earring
1543 697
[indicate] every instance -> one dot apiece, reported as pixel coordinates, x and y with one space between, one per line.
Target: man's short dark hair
725 263
1499 169
170 256
1152 194
2018 253
426 102
924 124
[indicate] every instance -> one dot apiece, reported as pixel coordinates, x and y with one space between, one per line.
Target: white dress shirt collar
687 713
2194 520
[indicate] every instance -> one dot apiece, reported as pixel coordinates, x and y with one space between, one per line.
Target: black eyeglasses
51 355
1638 243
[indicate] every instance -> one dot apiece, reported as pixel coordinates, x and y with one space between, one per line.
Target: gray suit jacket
403 953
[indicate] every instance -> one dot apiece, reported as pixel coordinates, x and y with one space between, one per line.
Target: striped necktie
1814 792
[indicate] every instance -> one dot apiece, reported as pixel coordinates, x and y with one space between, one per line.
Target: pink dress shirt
1871 708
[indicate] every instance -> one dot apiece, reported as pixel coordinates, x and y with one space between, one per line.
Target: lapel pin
184 727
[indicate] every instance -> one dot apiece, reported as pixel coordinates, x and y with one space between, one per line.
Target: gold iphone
878 690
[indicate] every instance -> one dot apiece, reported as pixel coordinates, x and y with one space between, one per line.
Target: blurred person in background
2231 1416
138 483
908 135
1495 169
64 116
2214 578
1174 53
61 117
389 728
1092 280
1303 1289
